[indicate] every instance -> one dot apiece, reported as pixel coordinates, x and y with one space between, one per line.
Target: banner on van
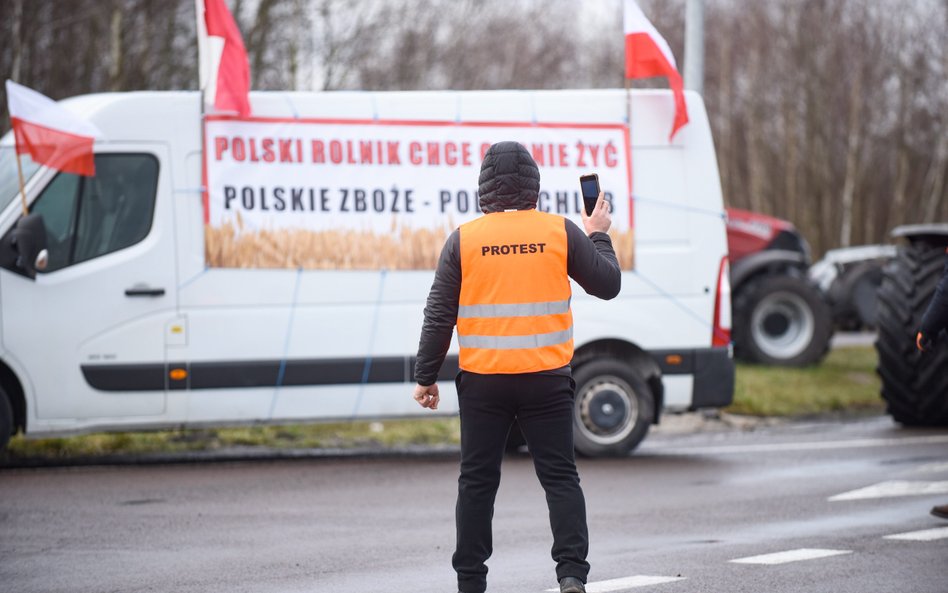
340 194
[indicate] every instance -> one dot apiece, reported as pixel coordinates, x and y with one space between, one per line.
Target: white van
140 320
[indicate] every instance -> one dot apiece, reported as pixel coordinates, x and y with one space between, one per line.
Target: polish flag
223 65
647 55
50 133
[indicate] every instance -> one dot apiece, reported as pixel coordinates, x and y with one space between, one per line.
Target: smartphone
590 186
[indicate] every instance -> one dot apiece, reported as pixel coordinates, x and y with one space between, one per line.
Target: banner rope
675 301
286 343
373 332
664 204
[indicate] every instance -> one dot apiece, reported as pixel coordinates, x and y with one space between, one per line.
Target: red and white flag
224 69
647 55
51 134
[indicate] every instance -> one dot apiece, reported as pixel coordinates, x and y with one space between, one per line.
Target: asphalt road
680 511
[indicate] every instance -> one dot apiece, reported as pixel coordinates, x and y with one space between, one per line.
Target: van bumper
714 378
712 369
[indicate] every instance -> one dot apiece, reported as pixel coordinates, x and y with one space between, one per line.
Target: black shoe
941 511
571 585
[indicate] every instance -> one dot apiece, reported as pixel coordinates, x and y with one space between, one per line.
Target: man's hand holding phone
600 220
596 217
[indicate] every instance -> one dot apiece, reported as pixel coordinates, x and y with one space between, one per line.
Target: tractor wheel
781 319
854 296
914 384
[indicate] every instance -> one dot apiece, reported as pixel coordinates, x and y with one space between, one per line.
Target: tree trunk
852 159
791 153
115 38
725 130
934 187
897 210
259 41
755 169
17 40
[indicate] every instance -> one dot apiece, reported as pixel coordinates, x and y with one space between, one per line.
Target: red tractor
779 315
784 309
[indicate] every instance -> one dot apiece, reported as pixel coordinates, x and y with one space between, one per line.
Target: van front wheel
612 409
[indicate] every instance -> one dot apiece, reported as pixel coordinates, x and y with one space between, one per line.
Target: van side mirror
27 243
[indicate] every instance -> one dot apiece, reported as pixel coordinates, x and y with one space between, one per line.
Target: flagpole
628 153
204 199
203 76
19 170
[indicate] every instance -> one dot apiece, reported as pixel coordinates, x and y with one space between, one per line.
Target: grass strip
844 382
387 434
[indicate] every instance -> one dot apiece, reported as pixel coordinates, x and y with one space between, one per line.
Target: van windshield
9 182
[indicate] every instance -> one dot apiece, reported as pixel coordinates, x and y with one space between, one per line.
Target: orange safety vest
514 314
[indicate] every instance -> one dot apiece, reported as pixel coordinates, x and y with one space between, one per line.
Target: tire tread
914 384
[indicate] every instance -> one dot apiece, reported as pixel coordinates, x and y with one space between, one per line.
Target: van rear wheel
6 420
612 410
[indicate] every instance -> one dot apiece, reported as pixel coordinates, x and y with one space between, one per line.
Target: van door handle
144 292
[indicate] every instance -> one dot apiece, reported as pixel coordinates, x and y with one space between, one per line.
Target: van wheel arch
619 393
12 389
626 353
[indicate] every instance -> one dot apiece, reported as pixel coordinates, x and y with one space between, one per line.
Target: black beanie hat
509 179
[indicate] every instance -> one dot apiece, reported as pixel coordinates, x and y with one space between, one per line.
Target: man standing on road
933 322
503 279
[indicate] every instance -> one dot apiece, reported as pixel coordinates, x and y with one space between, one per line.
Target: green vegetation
297 436
844 382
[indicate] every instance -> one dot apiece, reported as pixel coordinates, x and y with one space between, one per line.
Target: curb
233 455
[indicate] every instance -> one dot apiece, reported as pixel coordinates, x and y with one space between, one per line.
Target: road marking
805 446
926 535
932 468
791 556
892 489
625 583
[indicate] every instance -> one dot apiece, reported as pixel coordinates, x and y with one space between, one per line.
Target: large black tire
914 384
613 409
6 420
781 319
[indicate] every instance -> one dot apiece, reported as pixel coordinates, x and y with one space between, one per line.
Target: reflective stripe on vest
514 310
521 310
516 342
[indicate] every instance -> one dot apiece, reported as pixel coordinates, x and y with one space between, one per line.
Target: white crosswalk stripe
791 556
933 468
925 535
893 488
800 446
625 583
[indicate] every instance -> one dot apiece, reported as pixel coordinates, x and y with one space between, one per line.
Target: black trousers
543 406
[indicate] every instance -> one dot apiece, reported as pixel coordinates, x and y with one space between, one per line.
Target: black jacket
590 261
936 317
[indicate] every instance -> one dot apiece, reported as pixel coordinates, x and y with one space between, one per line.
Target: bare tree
831 113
